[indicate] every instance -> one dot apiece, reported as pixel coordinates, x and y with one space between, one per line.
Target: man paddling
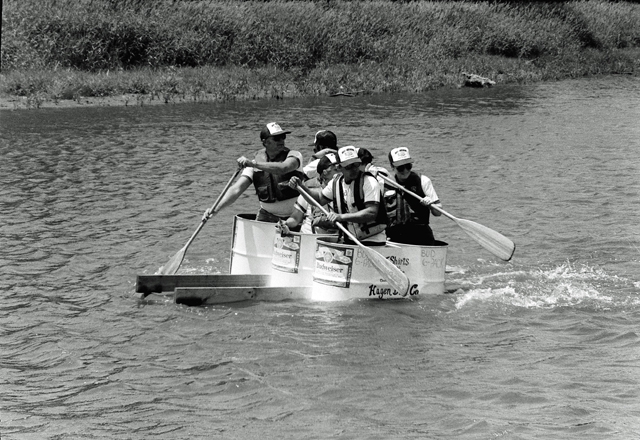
269 171
357 199
311 218
408 216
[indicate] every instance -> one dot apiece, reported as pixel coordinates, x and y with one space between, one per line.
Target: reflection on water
91 197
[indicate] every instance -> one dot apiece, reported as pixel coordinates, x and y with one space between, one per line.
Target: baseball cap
272 129
348 155
400 156
326 162
325 139
365 155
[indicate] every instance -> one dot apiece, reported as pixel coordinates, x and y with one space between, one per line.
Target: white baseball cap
400 156
272 129
348 155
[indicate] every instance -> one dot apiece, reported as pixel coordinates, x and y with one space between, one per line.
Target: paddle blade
170 268
493 241
173 264
388 270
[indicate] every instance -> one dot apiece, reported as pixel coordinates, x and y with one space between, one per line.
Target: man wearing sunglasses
408 216
356 197
269 172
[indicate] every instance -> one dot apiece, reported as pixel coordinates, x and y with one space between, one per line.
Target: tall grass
312 45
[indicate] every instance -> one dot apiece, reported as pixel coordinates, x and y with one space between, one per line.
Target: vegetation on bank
220 50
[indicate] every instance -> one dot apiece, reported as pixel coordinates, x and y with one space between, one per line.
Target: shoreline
106 53
14 103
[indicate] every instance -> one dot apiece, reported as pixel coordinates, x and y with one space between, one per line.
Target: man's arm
235 191
315 193
372 200
366 215
290 164
298 213
431 198
278 168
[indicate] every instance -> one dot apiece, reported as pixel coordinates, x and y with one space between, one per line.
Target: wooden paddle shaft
493 241
224 190
174 263
315 203
215 205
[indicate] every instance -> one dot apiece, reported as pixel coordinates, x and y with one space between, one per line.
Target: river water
545 346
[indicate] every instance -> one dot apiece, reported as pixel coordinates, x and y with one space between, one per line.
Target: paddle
173 264
493 241
388 270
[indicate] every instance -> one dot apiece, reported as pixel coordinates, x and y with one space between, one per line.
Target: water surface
545 346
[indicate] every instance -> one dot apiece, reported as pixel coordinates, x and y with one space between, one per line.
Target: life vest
273 187
407 209
376 171
360 230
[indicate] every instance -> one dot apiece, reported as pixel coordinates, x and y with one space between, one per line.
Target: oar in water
173 264
386 268
493 241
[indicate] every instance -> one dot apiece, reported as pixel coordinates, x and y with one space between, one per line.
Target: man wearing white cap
357 199
269 172
325 142
408 216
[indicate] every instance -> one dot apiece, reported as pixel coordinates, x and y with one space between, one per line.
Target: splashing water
562 286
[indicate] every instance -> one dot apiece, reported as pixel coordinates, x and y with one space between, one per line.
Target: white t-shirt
371 190
429 191
303 206
311 169
281 208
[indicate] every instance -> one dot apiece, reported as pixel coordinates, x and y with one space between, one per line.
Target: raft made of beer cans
267 266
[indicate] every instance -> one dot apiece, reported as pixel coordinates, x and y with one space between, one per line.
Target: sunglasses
351 166
279 137
401 168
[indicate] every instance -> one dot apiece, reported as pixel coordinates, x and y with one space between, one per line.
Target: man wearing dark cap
311 219
325 142
269 171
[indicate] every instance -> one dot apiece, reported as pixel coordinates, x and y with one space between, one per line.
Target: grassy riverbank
143 51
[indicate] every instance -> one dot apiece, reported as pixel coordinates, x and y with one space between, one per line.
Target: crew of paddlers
355 191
